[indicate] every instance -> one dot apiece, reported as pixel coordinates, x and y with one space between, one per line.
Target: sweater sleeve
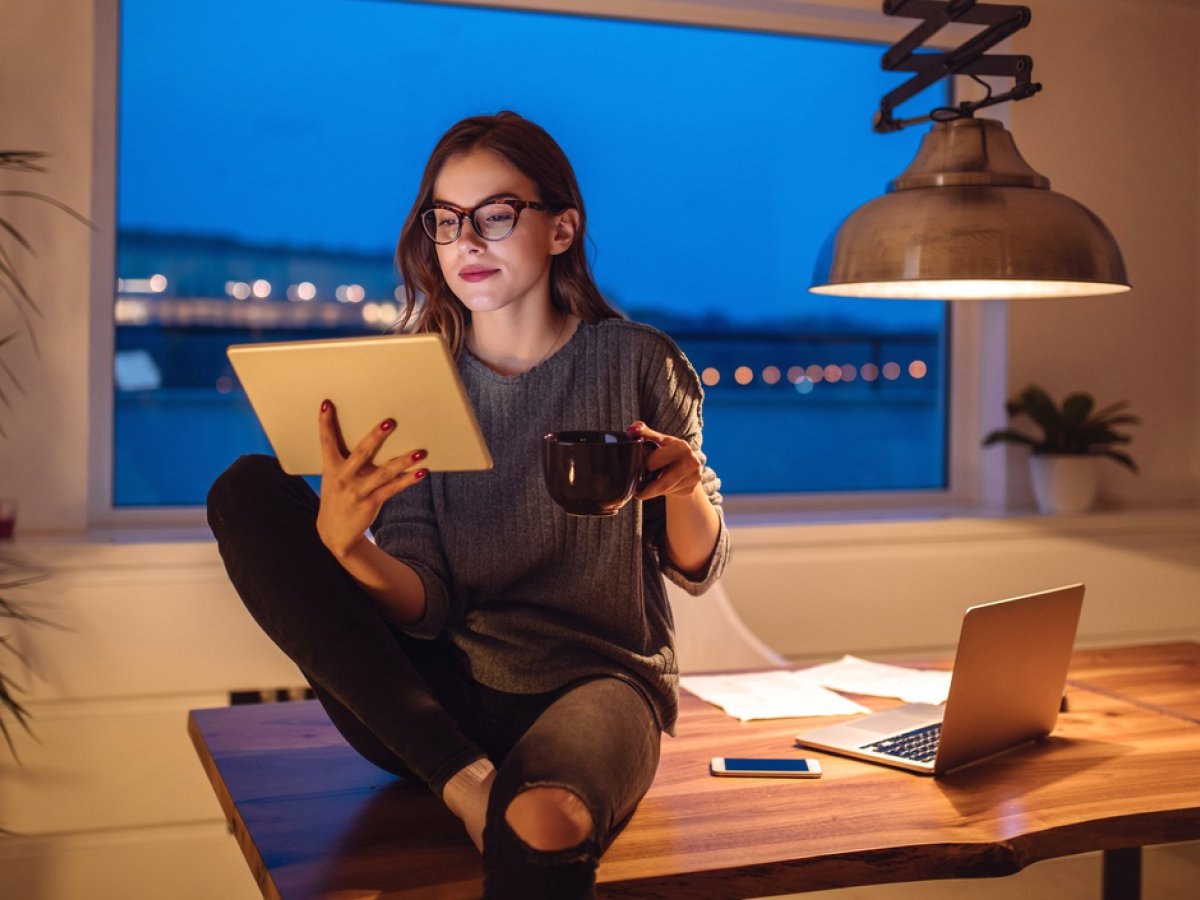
407 530
673 400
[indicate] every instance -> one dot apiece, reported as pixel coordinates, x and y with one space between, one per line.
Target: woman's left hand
677 465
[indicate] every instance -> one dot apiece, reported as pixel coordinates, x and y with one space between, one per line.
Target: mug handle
648 477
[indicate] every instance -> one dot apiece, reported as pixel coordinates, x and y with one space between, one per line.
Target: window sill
173 545
920 525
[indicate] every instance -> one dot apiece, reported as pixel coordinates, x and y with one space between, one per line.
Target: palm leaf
14 575
17 236
1118 420
10 703
10 282
1111 408
34 195
22 159
1038 405
1075 409
15 380
29 329
11 274
1101 434
1123 458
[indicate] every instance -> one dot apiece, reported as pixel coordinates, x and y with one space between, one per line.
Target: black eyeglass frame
517 206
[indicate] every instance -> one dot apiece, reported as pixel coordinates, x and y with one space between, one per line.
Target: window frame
977 331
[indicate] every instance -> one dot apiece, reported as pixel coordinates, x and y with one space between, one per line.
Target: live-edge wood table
1122 770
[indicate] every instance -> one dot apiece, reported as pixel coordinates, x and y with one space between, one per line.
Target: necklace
557 337
562 327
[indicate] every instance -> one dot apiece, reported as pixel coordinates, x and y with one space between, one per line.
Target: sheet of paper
860 676
774 694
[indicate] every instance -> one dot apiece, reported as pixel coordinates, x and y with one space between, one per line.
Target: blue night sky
713 163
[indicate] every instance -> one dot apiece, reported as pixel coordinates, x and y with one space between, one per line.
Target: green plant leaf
1118 420
1039 406
25 160
8 610
1075 409
34 195
10 282
15 575
1123 458
16 710
17 236
10 273
10 703
1101 434
1111 408
5 257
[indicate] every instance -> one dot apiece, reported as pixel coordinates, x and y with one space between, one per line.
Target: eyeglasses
493 221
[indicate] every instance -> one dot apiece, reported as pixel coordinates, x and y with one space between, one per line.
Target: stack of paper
780 694
860 676
777 694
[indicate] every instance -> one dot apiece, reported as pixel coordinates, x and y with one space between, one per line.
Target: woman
516 660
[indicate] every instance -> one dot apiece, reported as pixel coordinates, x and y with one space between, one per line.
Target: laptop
1006 689
410 378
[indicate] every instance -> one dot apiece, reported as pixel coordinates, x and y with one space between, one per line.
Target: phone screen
765 765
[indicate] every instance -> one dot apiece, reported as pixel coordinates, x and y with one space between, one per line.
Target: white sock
466 794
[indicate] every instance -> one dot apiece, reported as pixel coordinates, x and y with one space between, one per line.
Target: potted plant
12 573
1073 438
11 284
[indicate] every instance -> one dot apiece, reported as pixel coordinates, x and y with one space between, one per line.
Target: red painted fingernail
419 455
325 406
634 429
387 424
421 473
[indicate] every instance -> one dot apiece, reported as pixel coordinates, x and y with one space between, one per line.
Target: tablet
411 378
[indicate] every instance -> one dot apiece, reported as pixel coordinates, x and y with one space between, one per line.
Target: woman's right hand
353 489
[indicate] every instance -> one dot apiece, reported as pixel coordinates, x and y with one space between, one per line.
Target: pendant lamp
969 219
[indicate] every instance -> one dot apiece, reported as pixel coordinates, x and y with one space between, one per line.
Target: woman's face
492 275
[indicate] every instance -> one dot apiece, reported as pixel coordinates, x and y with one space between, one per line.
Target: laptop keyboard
919 745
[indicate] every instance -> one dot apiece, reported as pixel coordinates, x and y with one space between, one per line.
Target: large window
270 150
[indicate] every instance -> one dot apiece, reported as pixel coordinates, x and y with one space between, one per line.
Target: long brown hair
430 305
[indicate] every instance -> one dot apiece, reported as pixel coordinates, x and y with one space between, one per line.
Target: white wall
46 103
1116 129
899 588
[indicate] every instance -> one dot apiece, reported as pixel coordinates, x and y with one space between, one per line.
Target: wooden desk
1122 770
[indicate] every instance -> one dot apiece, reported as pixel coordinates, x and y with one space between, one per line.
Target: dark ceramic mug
595 473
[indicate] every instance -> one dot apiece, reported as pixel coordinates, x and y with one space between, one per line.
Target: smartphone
765 768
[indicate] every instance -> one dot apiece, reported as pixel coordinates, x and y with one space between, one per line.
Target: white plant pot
1064 483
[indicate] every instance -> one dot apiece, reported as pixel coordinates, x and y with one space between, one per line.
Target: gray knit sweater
534 598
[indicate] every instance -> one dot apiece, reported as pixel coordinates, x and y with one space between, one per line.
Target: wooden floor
1123 768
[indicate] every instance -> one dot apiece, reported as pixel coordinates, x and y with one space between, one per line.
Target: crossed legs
572 765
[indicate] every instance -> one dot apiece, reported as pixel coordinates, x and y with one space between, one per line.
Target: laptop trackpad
867 730
902 718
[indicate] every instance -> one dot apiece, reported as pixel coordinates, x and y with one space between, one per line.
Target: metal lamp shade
969 219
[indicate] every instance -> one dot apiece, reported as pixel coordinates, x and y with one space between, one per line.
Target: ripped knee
549 818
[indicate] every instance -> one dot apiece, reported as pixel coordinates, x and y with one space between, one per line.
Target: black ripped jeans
410 706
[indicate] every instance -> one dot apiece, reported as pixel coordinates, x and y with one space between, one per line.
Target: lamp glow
970 220
968 289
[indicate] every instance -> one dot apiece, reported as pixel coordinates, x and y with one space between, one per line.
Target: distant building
179 279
